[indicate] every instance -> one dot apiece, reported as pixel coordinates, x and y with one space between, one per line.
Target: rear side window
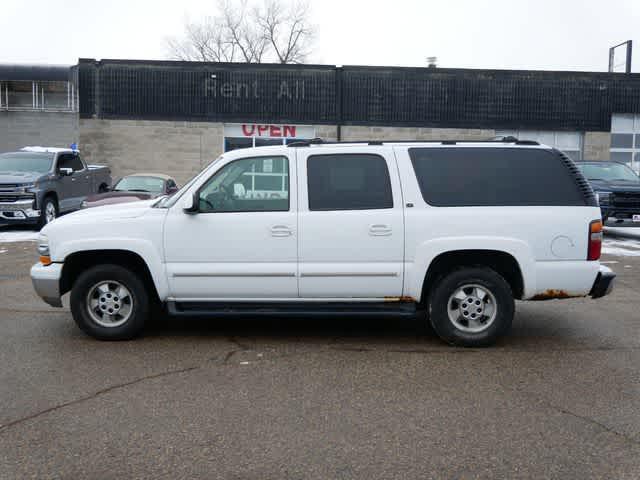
348 182
458 177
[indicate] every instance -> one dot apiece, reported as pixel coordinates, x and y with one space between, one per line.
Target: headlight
27 187
603 197
43 250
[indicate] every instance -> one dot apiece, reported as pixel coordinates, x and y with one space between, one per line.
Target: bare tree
204 42
242 31
287 29
271 31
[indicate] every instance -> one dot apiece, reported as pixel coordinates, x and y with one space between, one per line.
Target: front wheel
109 302
48 211
471 307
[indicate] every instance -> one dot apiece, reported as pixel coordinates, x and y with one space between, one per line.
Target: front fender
145 249
429 250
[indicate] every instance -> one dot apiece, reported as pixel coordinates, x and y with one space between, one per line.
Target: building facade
175 117
38 106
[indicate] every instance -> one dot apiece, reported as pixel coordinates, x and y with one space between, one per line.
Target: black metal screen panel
487 99
218 92
442 98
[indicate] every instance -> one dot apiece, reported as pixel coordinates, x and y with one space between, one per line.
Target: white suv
450 231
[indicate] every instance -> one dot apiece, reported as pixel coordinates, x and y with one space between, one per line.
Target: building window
625 140
567 142
42 95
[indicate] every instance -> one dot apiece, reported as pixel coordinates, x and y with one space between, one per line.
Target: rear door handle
281 231
379 230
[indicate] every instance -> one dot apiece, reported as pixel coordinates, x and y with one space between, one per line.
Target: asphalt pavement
321 399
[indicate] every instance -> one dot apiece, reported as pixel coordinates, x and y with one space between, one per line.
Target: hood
95 216
617 186
19 177
109 198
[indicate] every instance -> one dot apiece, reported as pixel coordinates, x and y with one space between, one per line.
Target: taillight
595 240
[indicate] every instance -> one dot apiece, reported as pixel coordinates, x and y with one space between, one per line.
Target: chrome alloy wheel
472 308
109 303
49 212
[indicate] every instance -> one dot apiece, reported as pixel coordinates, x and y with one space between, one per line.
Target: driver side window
259 184
68 160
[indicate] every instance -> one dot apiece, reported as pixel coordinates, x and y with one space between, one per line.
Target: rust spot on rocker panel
400 299
551 294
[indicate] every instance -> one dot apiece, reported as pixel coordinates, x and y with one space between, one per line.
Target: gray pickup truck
39 183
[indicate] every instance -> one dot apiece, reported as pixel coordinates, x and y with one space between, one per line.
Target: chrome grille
4 197
625 200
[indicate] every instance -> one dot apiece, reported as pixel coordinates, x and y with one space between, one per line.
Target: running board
292 309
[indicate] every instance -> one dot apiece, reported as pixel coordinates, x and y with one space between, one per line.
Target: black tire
452 282
139 302
48 200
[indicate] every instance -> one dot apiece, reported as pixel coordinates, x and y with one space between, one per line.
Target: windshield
608 172
140 184
168 202
26 162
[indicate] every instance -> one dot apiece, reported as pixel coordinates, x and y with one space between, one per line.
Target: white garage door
568 142
625 140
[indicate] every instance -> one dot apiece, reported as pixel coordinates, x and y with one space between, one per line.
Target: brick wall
180 149
50 129
414 133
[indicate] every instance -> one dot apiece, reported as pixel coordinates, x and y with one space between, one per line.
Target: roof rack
320 141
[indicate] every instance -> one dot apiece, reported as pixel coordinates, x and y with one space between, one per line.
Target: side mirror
191 205
65 172
172 190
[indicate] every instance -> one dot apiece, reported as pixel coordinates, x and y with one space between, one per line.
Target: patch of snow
4 250
626 232
12 236
621 248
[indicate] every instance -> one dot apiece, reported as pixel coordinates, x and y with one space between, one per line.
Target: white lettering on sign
268 130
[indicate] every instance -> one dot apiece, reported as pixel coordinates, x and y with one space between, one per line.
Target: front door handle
379 230
281 231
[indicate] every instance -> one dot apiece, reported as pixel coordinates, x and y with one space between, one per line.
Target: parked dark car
133 188
618 190
39 183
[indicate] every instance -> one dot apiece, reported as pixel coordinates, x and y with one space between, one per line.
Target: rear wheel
48 211
471 307
109 302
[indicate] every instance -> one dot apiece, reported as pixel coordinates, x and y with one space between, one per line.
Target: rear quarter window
463 177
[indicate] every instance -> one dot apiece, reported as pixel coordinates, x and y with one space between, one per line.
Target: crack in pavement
527 395
94 395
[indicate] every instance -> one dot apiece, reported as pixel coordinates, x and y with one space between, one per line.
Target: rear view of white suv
451 231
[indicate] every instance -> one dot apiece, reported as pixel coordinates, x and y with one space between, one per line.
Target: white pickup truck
451 232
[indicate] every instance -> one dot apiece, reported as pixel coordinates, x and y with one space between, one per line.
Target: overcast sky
527 34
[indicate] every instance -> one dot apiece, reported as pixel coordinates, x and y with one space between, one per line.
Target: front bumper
603 284
46 282
19 211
